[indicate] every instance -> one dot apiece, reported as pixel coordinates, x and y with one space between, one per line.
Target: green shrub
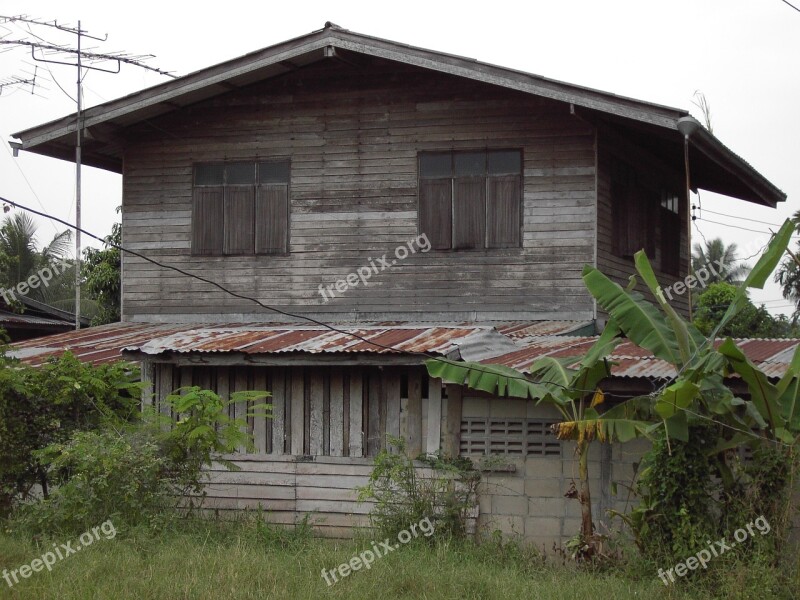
139 474
47 405
402 496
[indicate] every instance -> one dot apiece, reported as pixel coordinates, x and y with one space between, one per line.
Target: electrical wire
790 4
272 308
428 356
735 217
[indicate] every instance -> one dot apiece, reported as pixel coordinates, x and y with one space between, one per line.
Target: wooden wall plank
298 411
452 435
336 412
259 422
316 447
356 413
240 384
278 400
414 413
374 431
392 386
433 441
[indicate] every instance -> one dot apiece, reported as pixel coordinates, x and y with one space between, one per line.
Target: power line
732 226
274 309
702 210
790 4
371 342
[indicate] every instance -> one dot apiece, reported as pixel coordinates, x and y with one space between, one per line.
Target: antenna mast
46 48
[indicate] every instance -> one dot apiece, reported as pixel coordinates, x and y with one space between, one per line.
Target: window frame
489 178
256 185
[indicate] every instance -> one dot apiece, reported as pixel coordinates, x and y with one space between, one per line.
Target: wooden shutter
633 219
469 212
435 211
670 242
503 212
207 220
272 218
239 219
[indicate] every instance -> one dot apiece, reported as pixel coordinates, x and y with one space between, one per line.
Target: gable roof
56 138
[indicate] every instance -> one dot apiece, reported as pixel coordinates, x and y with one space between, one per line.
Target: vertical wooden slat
223 383
298 411
239 219
336 413
165 388
316 425
434 415
278 402
207 216
148 377
186 381
451 446
469 212
414 413
260 422
435 211
392 387
240 408
374 432
272 218
503 212
202 377
356 414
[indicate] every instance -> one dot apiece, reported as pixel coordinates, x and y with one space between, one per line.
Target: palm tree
714 254
788 275
21 259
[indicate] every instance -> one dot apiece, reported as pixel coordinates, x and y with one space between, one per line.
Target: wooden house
288 174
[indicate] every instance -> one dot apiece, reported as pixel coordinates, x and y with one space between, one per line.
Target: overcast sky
742 54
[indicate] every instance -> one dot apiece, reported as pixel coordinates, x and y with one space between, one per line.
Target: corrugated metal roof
15 319
106 343
508 344
771 355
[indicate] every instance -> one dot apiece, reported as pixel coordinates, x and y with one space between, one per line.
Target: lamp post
687 126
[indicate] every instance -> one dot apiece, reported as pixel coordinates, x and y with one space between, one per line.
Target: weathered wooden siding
323 411
353 136
651 169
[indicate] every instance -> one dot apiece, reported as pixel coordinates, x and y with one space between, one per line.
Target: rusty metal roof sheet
507 344
106 343
30 320
771 355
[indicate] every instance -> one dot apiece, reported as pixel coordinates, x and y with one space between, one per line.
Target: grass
232 561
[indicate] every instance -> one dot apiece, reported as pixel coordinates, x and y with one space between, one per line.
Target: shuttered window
241 208
670 221
634 208
471 200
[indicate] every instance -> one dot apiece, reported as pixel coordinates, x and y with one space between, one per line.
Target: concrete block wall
530 501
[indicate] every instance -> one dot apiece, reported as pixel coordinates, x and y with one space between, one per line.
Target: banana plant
571 385
697 392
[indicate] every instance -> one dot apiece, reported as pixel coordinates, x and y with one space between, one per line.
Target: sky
743 55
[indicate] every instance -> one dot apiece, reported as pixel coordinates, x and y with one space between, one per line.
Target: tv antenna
83 60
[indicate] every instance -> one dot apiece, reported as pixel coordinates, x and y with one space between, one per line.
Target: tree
697 394
20 259
750 322
720 262
101 276
788 275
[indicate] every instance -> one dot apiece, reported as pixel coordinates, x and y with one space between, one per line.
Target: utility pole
79 54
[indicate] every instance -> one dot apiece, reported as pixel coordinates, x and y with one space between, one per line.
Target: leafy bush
47 405
403 496
139 474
